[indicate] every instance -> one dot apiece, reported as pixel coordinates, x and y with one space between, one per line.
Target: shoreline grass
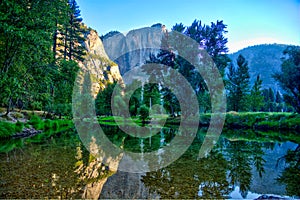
260 121
9 129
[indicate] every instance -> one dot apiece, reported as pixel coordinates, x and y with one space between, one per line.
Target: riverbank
33 126
25 124
253 120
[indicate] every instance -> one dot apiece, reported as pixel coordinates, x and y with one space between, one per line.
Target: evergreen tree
103 100
25 50
73 35
271 100
61 10
30 35
210 38
279 102
256 98
144 113
238 85
64 83
289 77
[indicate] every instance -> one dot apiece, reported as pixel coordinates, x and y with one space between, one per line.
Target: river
242 164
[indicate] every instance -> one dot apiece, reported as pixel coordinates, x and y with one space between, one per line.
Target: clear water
243 164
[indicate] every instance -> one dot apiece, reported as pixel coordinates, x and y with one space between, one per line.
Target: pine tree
73 35
256 98
279 102
210 38
271 100
25 50
289 77
238 85
61 10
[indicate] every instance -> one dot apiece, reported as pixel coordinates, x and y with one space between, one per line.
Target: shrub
7 129
19 127
144 112
36 122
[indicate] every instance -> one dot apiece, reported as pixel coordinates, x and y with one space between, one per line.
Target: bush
36 122
7 129
144 112
37 105
47 124
19 127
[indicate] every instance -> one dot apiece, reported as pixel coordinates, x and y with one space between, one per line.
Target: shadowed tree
289 77
256 98
238 85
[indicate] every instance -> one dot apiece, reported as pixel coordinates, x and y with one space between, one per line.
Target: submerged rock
269 197
27 132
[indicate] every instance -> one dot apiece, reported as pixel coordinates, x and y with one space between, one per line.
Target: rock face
97 64
135 48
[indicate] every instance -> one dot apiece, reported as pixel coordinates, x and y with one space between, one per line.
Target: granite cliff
97 64
133 49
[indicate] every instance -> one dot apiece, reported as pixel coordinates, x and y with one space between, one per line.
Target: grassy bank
262 121
9 129
253 120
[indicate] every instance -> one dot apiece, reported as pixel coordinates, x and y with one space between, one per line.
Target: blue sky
249 22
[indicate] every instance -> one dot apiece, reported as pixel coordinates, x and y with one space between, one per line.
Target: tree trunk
70 43
55 42
66 44
8 106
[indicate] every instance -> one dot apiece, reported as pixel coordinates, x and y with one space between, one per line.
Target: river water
242 164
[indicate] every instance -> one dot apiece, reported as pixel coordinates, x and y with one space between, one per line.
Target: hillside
263 60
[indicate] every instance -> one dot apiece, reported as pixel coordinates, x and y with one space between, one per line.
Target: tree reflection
190 178
291 174
240 166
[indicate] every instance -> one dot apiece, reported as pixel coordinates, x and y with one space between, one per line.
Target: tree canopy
289 77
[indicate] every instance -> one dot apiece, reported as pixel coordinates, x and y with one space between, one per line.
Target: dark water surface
243 164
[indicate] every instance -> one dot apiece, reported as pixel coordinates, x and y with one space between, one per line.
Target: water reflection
242 164
291 174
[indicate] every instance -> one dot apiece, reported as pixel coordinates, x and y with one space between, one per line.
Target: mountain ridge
263 60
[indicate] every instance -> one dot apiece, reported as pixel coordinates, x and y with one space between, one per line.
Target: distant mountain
263 60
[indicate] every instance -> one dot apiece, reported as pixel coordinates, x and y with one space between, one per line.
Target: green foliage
256 98
73 34
269 104
144 113
19 126
37 105
103 100
210 38
36 122
7 129
32 74
289 77
287 177
238 85
25 48
83 100
109 34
